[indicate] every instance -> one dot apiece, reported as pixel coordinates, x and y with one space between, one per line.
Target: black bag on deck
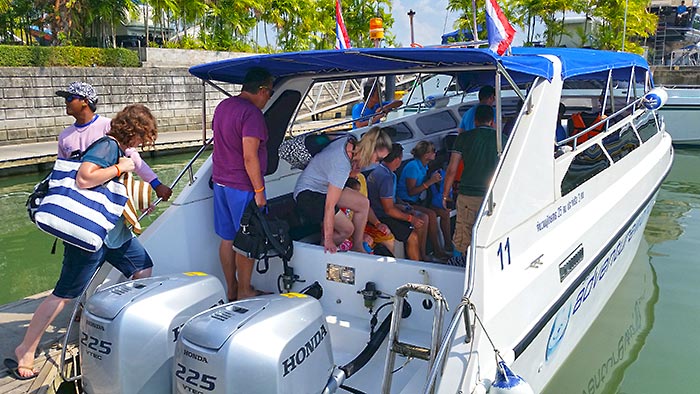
260 237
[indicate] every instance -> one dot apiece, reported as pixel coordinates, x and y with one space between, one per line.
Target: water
27 266
645 341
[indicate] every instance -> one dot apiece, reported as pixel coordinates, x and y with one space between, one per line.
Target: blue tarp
374 60
579 63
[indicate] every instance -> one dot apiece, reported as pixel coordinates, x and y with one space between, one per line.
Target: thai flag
500 31
342 41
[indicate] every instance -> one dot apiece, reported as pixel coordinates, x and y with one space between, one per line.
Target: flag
342 41
500 31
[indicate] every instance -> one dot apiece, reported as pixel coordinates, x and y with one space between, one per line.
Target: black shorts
400 228
311 205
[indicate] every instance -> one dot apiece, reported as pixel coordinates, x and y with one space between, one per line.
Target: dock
40 156
14 319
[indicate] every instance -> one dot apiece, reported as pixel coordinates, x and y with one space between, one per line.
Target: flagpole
476 37
624 25
410 14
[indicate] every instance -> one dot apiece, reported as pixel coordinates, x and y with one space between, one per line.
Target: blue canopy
374 60
579 63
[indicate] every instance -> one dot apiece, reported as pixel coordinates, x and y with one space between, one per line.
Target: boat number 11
504 253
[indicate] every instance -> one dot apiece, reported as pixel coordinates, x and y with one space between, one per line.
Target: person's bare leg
389 245
143 273
43 316
446 228
360 206
432 229
342 228
244 272
228 264
422 235
412 246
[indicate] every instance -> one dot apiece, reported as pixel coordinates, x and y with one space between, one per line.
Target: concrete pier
40 156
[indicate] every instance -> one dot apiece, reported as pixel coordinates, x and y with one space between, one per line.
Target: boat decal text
195 379
504 252
599 272
95 347
290 363
560 211
196 356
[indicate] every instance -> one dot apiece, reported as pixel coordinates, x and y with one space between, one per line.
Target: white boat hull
682 115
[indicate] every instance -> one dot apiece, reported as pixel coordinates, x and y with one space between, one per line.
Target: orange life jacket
580 125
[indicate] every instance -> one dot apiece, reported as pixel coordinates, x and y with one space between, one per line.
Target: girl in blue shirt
414 181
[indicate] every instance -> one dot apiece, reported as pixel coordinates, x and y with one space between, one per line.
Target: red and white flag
342 41
500 31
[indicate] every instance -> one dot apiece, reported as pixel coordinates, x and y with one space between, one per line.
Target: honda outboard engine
276 344
128 331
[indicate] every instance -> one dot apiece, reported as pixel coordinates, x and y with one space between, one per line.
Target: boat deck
14 319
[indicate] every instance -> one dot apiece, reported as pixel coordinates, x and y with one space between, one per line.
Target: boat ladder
411 350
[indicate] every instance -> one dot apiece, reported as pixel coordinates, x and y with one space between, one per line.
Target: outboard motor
128 331
276 344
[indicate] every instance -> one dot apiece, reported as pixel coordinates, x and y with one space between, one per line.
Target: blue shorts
79 265
229 204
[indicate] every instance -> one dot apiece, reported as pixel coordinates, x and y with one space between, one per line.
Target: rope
469 305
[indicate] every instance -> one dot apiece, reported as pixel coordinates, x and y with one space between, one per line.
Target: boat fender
655 98
507 382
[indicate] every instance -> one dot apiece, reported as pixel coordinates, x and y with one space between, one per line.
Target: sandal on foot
14 368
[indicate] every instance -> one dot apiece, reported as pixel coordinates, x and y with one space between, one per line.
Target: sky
431 21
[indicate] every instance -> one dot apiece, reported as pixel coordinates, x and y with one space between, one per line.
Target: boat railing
573 140
187 170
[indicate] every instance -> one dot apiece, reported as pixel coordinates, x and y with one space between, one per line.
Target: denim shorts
229 204
79 265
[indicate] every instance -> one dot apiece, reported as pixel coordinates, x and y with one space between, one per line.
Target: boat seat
285 208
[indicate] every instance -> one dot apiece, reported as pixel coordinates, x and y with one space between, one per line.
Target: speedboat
558 229
682 114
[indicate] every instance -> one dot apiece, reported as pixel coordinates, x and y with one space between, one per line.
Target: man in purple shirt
239 166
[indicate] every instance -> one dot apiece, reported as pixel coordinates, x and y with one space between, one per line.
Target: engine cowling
128 331
276 344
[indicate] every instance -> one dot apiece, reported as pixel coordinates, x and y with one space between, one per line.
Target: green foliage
36 56
603 31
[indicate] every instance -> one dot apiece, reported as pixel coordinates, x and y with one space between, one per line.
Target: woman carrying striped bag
132 127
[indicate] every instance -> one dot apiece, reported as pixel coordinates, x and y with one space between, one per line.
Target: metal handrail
605 121
186 169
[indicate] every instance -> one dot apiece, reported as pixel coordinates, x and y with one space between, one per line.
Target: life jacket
579 124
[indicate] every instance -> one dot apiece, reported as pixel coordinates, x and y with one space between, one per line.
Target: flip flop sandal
12 366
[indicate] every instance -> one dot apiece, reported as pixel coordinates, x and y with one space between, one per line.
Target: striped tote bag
80 217
139 193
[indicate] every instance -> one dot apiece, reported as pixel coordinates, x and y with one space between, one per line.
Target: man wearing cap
81 103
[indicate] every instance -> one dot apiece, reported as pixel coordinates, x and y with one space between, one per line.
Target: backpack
299 150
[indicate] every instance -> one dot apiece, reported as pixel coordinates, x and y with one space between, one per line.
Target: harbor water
644 342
